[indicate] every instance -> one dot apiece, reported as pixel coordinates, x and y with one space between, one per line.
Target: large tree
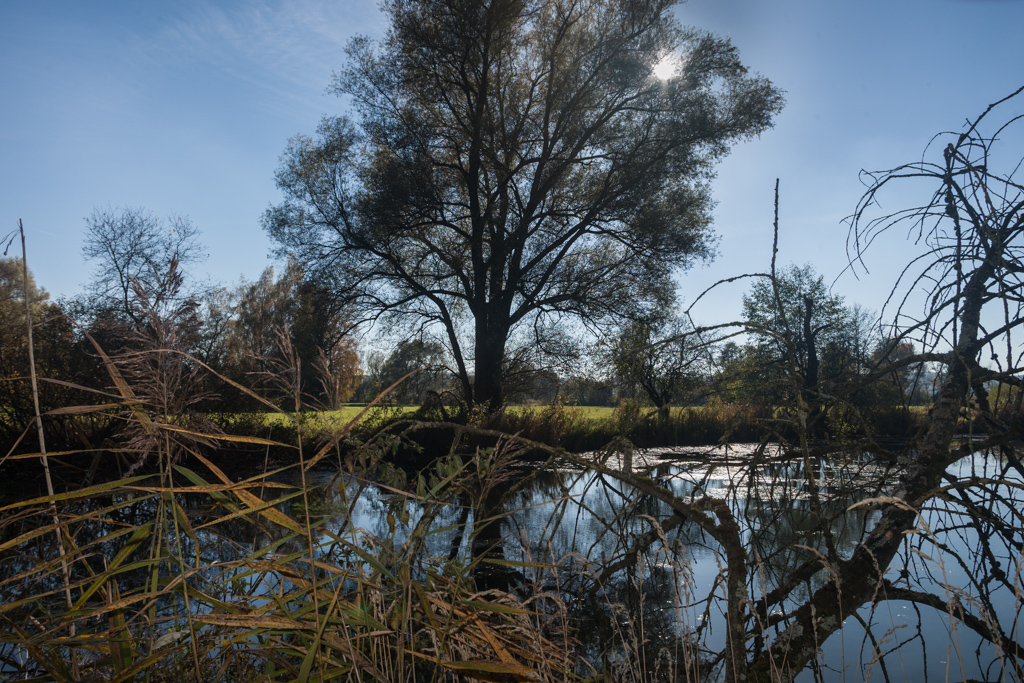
515 163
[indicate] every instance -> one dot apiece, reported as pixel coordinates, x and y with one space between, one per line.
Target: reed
145 578
160 588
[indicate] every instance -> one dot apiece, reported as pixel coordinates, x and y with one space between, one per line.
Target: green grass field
346 414
349 412
589 412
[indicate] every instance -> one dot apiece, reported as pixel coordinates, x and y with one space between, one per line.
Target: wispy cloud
287 48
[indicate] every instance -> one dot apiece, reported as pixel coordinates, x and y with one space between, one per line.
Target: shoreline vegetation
259 439
160 585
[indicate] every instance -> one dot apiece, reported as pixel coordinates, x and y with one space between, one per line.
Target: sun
666 68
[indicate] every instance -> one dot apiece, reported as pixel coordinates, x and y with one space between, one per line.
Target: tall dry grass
164 586
181 572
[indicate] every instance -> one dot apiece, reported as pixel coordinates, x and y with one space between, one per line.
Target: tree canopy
289 316
662 356
511 165
134 252
795 318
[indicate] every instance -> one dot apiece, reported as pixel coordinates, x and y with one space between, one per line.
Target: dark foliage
512 164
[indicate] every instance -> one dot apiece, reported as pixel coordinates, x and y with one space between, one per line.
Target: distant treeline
286 333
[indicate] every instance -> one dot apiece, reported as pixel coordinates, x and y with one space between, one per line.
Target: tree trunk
811 372
488 384
810 389
487 555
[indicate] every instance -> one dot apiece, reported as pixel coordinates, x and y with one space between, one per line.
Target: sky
185 107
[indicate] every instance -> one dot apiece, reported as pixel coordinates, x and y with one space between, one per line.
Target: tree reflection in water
645 586
602 556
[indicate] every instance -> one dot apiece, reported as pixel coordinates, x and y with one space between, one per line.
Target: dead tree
969 280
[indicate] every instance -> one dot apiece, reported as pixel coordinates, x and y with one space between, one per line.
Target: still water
561 528
638 582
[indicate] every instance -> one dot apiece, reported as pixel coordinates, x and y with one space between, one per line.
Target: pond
609 573
582 522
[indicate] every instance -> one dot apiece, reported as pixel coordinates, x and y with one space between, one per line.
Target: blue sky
185 107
